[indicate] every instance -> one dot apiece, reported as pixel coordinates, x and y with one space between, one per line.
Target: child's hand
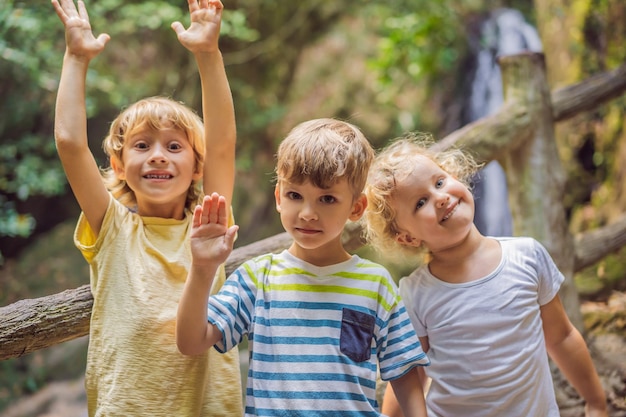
79 39
204 31
211 238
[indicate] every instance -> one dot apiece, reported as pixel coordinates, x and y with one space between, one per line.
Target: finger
177 27
60 11
82 10
222 212
197 216
193 5
217 4
215 207
229 237
207 204
216 7
103 38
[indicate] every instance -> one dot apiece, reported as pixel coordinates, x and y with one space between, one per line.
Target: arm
409 394
391 407
217 104
70 123
211 243
568 350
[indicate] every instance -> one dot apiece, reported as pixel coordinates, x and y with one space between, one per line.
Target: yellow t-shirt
138 268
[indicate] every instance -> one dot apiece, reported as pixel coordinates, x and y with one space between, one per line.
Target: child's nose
442 200
158 155
308 212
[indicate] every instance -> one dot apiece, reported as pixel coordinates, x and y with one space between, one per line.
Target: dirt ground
606 323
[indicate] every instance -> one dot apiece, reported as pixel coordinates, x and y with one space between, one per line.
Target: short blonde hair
153 113
324 151
392 164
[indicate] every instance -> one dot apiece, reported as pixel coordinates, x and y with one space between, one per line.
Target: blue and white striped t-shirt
316 334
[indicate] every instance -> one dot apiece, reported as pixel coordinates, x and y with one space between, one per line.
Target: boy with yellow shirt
135 221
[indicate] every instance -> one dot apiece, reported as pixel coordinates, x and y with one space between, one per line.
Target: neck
320 256
468 260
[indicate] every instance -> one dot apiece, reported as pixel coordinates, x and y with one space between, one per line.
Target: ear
277 197
358 208
405 239
198 175
118 168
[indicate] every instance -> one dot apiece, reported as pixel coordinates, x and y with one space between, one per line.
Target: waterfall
505 32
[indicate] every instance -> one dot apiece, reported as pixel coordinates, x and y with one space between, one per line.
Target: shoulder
524 245
368 266
415 278
264 264
372 275
518 241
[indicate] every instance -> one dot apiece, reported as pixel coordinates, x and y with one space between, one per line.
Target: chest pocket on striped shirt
357 330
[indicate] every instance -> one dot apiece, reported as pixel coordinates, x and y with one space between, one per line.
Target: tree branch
588 94
592 246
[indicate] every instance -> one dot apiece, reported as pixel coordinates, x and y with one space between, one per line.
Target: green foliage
422 40
28 163
136 63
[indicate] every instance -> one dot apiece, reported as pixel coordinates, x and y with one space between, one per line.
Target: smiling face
315 218
159 166
432 207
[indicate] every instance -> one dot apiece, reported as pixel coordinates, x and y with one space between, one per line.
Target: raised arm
211 243
201 38
70 124
568 350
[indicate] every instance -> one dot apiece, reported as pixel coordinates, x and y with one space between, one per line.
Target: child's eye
174 146
292 195
439 183
420 203
141 145
328 199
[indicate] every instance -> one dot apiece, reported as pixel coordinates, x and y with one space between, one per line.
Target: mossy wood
520 135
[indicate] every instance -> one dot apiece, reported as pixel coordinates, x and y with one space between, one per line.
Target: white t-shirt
487 348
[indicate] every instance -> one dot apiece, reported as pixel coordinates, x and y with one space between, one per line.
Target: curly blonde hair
392 164
153 113
323 151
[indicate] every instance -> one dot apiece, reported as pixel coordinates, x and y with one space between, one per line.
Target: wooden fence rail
520 135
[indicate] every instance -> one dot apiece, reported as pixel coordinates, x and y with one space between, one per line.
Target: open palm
211 238
203 33
79 38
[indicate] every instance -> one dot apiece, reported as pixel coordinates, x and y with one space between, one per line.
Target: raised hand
79 38
203 33
211 238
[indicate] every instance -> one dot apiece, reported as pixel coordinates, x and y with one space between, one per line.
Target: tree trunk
536 179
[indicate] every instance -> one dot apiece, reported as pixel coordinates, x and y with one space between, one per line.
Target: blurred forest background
389 67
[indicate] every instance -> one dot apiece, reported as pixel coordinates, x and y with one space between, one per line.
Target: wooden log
595 244
33 324
588 94
491 137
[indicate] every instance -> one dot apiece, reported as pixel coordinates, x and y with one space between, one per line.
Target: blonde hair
392 164
152 113
323 151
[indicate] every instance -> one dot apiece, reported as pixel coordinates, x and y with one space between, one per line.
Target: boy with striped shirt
319 320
